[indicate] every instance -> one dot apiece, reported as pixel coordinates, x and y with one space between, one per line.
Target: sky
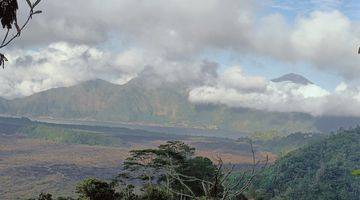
226 50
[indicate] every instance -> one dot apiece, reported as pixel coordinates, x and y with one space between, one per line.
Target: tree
8 17
44 196
154 165
93 189
174 169
149 164
201 168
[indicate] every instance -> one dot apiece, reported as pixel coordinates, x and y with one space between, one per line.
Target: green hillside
322 170
283 145
104 101
140 102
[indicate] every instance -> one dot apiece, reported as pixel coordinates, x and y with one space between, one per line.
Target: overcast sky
230 48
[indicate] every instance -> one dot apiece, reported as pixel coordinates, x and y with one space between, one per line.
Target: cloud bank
241 90
182 30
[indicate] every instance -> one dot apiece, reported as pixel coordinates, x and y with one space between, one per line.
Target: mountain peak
294 78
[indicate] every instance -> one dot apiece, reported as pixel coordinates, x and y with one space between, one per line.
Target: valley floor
30 166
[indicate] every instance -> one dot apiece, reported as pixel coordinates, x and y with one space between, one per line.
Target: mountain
321 170
294 78
152 102
155 103
101 100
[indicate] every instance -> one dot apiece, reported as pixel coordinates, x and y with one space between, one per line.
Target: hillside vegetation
144 103
283 145
322 170
70 136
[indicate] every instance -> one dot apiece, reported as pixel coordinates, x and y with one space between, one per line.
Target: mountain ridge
158 104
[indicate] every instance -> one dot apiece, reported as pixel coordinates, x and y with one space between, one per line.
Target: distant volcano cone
294 78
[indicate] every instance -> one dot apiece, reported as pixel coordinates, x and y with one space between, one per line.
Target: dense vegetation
283 145
323 170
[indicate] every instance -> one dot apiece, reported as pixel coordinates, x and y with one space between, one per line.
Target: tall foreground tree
9 20
176 171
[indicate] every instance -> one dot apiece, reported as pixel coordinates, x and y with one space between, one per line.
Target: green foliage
321 170
174 153
156 192
69 136
43 196
128 193
170 165
283 145
356 172
201 168
93 189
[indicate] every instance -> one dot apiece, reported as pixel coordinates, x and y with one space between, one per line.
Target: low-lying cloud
278 97
63 64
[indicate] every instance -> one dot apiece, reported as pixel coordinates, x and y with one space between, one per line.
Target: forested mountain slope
321 170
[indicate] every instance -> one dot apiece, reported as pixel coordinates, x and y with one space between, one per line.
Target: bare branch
183 184
19 31
6 35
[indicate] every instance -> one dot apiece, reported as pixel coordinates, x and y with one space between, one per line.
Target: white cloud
329 41
62 64
234 78
279 97
341 87
182 30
